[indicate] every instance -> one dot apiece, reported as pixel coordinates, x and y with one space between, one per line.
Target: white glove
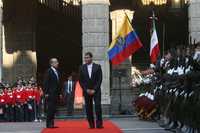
180 71
182 92
185 95
191 93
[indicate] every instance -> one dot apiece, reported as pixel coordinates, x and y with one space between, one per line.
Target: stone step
84 116
62 111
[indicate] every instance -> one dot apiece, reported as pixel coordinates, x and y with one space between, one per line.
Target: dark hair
89 54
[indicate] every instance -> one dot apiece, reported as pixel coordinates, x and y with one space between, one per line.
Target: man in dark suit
90 81
69 89
52 91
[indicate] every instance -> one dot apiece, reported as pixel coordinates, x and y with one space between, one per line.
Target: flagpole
154 49
153 18
128 18
163 39
132 26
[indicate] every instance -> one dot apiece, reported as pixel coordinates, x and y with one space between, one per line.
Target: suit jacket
96 78
66 87
51 83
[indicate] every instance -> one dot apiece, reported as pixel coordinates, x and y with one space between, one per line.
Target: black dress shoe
48 125
100 127
52 127
91 125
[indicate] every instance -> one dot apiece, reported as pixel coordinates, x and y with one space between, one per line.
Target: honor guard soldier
20 101
10 100
2 105
30 102
37 97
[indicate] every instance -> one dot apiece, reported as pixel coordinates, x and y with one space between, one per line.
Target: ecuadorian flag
125 44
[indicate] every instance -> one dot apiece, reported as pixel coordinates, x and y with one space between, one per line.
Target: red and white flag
154 48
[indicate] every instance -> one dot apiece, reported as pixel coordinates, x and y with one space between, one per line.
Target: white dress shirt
69 86
55 71
89 67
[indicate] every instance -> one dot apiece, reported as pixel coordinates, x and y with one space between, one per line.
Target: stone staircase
62 113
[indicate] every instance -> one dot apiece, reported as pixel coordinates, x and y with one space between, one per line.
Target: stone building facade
18 55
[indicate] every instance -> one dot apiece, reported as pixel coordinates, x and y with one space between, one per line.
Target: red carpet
81 126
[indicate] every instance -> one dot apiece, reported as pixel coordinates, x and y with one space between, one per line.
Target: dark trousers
19 113
31 110
51 102
2 115
26 115
69 102
89 109
10 112
38 110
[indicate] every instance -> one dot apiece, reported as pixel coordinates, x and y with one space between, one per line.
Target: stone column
19 53
194 20
1 38
124 69
95 38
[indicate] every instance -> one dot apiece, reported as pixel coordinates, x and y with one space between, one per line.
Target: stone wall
1 38
194 20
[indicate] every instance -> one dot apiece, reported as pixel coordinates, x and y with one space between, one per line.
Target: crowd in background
24 101
21 101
